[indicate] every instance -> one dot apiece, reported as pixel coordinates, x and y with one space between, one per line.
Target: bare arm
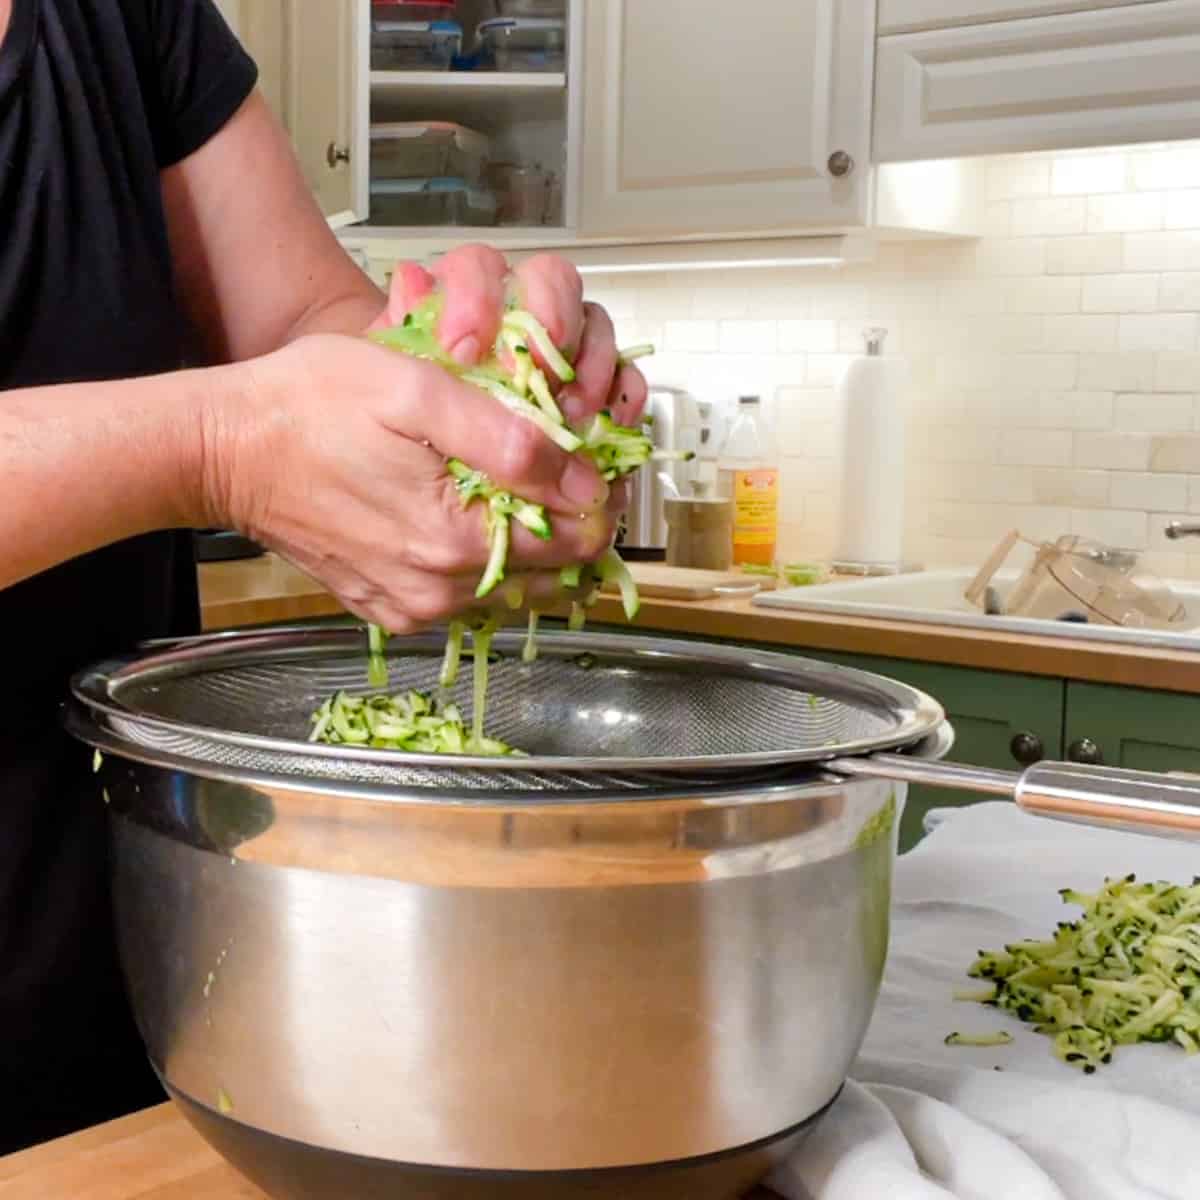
86 464
256 263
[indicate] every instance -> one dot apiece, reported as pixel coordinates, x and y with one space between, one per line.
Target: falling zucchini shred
1126 971
999 1038
413 720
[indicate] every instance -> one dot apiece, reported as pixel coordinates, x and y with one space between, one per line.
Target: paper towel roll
871 421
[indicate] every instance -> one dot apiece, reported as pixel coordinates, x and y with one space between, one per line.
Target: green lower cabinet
1134 728
987 709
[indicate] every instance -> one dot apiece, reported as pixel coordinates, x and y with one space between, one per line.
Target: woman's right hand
333 454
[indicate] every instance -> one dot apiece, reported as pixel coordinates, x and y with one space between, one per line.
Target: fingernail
466 351
581 485
573 406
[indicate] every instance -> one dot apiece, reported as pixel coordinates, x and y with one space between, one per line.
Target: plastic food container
523 193
524 44
427 150
439 201
531 8
414 45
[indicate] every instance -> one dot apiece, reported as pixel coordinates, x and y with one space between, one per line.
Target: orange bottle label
755 510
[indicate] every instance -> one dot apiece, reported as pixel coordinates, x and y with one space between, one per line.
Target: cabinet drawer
1104 77
909 16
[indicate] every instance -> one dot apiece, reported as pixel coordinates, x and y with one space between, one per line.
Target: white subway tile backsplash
1051 294
1071 488
1179 292
1035 447
1139 413
1172 453
1113 451
1131 371
1087 334
1177 372
748 337
1149 493
1054 362
1088 174
1021 175
1116 527
691 336
1049 216
1132 212
1120 294
1089 255
819 337
1011 256
1183 210
1171 251
1171 167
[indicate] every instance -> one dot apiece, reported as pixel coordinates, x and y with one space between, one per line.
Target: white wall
1055 362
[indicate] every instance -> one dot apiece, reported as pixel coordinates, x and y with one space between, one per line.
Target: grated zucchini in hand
1126 971
615 450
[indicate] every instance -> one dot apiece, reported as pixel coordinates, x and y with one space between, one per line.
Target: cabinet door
698 119
312 61
1141 730
1106 77
907 16
987 709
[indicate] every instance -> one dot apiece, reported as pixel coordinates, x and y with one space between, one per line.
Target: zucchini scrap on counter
421 723
1126 971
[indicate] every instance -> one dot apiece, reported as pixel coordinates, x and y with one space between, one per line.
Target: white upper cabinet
1108 76
908 16
311 59
705 118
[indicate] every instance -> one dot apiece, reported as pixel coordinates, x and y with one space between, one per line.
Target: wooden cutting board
153 1155
687 583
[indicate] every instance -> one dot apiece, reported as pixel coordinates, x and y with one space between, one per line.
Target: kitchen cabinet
908 16
702 119
988 711
1105 76
1135 728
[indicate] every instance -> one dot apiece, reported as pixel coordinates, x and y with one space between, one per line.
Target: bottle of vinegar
748 476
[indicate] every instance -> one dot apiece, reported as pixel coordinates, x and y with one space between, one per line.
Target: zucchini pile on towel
413 721
1126 971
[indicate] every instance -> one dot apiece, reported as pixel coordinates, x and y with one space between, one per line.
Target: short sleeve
202 76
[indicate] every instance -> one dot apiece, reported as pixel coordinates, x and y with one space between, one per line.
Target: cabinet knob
1085 751
840 164
1027 748
335 154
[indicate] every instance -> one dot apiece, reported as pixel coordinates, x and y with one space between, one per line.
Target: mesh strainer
611 712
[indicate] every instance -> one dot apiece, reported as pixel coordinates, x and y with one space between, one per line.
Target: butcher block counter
153 1155
267 589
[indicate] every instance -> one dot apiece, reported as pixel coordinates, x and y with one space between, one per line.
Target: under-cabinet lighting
716 256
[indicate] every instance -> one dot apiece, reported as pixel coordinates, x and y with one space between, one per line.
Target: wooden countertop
153 1155
267 589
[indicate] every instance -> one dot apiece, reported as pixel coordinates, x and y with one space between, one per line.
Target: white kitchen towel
923 1114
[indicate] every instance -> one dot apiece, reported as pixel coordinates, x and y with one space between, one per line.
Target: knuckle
522 453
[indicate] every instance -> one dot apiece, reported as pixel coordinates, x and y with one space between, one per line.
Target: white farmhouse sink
937 596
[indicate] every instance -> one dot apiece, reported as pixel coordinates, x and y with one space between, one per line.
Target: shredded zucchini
1000 1038
1126 971
511 376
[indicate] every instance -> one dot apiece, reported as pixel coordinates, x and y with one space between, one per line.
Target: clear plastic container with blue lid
437 201
524 44
399 45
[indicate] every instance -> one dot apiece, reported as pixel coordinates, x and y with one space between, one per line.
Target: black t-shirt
96 98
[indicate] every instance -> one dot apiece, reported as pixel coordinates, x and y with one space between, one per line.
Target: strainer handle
1109 797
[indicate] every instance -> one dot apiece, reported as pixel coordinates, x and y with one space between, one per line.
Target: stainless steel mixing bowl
370 992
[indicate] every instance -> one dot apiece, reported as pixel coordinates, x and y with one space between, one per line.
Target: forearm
83 465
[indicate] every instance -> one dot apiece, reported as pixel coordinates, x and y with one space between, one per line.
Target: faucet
1181 529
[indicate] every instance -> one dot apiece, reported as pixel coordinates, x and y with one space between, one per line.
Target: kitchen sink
937 596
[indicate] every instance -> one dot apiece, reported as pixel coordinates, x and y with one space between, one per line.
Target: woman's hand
475 282
334 455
